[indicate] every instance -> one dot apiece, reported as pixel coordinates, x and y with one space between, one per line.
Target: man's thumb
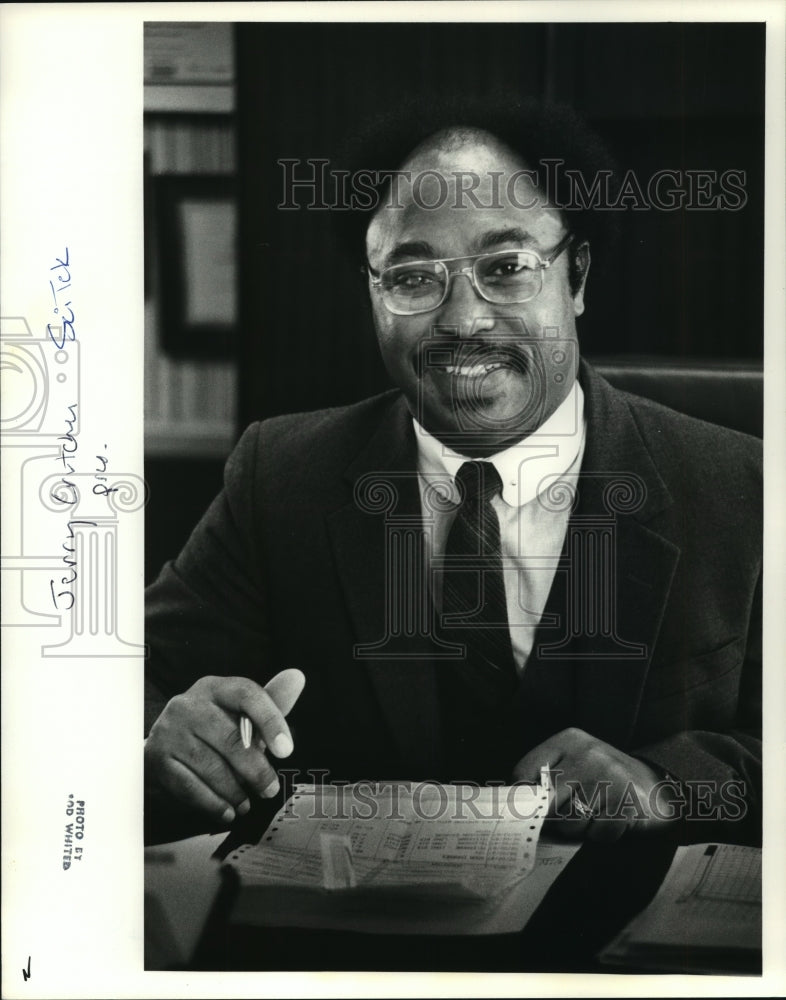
285 688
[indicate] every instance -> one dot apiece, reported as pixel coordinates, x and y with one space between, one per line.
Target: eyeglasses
505 277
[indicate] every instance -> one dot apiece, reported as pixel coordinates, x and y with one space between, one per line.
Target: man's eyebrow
495 237
412 250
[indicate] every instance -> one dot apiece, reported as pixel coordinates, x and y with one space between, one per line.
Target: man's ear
581 266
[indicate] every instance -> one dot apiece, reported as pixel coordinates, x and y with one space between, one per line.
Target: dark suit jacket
288 568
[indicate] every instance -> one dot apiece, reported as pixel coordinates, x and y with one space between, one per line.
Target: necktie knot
478 481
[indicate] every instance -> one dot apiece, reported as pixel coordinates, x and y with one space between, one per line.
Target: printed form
427 858
706 915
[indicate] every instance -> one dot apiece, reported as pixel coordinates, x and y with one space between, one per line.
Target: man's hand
600 791
194 750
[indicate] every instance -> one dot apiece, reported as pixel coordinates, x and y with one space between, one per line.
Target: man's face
477 375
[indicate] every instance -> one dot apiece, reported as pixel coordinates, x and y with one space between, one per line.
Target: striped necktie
474 610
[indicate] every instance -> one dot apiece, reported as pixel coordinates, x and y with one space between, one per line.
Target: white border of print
71 104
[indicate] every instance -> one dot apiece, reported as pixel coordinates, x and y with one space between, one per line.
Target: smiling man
461 297
502 564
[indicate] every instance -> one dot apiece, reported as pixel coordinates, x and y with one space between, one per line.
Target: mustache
441 352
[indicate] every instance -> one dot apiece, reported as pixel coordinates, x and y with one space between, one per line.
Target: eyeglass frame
543 265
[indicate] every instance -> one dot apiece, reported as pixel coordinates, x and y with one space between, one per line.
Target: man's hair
535 131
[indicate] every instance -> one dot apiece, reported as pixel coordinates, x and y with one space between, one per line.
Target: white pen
245 731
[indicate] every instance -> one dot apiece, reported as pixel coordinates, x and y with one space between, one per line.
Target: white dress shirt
532 525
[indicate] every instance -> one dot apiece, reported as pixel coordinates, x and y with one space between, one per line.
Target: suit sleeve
205 614
720 772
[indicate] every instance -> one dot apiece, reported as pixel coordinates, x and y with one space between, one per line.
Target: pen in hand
284 689
245 731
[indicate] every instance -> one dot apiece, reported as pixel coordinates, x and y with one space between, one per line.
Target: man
503 565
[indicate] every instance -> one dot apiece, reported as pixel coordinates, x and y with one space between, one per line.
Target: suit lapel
592 650
377 539
620 491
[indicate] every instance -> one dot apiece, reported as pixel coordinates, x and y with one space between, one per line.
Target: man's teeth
473 371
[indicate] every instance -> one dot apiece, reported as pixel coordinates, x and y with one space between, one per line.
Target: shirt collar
558 443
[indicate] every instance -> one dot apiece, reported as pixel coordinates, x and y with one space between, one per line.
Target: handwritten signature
100 488
66 492
63 330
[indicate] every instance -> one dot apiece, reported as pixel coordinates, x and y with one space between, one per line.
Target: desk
597 894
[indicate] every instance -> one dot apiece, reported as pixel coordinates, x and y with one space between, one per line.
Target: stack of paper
393 858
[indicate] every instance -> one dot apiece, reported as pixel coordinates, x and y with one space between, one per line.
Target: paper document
421 858
705 917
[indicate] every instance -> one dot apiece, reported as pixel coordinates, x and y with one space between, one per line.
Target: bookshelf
189 131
